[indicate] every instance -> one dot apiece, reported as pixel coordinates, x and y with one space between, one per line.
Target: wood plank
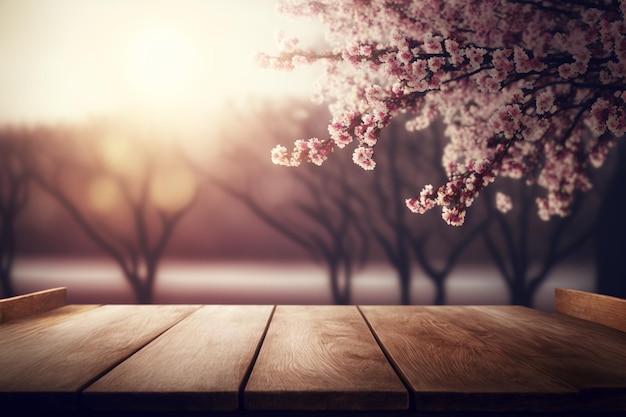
598 308
30 324
588 356
45 365
33 303
322 358
448 368
198 365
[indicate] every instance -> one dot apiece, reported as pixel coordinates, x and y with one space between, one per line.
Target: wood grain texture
322 358
450 368
601 309
199 364
45 364
588 356
34 303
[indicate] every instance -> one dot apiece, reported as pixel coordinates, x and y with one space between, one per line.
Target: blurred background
135 141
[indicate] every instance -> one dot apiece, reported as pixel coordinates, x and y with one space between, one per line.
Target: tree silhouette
611 233
347 211
319 218
526 251
333 237
406 239
127 192
14 193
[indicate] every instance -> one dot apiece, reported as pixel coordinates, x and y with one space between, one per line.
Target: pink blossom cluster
528 89
503 202
312 150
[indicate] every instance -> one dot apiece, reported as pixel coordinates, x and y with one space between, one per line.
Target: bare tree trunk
520 294
347 282
611 235
440 290
144 296
7 254
340 282
7 285
333 275
402 264
142 288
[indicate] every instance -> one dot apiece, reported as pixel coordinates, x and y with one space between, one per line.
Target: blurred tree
406 239
528 89
611 233
333 236
347 211
127 191
525 250
14 193
319 217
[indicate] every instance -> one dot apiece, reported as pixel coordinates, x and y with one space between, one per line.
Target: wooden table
313 360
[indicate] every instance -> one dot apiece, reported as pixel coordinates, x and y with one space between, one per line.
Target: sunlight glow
172 189
174 63
118 155
104 194
161 62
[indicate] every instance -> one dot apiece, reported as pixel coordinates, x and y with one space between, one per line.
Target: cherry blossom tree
528 89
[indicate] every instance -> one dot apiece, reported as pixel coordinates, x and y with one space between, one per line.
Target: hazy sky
67 59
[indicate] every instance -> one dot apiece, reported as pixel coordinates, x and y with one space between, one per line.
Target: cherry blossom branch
542 85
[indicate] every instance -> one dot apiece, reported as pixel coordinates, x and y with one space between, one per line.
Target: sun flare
160 62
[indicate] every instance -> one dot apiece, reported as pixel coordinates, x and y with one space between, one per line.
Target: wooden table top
355 360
